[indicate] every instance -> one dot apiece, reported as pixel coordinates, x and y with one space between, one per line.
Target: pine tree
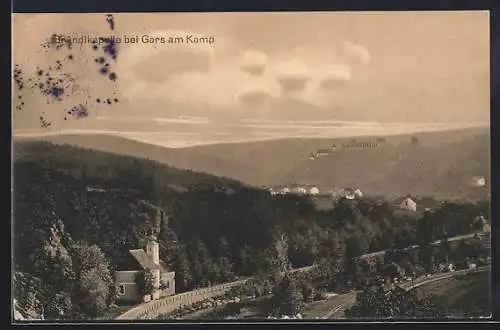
288 298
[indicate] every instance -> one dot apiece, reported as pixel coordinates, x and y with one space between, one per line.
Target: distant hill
441 165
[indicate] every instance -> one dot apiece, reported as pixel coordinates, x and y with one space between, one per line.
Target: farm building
301 190
322 153
408 205
348 193
478 181
314 191
358 193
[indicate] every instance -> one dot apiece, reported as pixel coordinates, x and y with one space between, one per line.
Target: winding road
344 301
166 304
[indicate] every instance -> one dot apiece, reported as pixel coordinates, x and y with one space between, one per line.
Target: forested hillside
441 165
77 212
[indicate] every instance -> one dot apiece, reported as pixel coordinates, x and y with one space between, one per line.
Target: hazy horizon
263 76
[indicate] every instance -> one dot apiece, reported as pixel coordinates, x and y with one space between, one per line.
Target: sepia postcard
251 166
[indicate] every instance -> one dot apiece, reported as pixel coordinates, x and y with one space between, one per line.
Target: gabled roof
143 259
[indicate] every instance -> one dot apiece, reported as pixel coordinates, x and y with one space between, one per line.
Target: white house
322 152
348 193
301 190
409 205
478 181
358 193
314 191
285 190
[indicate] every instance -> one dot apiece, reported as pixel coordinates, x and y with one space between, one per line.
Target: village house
285 190
139 261
301 190
478 181
358 193
95 189
408 205
322 153
314 191
348 193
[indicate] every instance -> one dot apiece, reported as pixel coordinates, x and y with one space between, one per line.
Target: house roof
143 259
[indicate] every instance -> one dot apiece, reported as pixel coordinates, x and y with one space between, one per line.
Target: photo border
90 6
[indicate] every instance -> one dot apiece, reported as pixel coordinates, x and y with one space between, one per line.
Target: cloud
293 76
355 53
160 67
254 98
157 62
254 62
335 77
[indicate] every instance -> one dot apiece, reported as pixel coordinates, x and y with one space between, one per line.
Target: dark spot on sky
44 123
39 72
100 60
108 101
98 100
94 47
106 65
112 76
57 42
104 70
116 100
79 111
111 21
70 57
57 92
110 47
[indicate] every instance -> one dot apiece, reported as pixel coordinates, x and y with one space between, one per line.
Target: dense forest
78 211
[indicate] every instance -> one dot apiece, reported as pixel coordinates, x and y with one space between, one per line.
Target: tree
307 289
93 286
382 303
273 260
288 298
54 267
224 269
444 250
174 254
145 282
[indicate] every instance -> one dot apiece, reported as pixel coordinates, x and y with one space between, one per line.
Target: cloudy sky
265 75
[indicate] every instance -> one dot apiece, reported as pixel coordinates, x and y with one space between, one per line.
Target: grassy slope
463 296
442 165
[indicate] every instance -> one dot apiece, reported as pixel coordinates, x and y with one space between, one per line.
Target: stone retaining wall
167 305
